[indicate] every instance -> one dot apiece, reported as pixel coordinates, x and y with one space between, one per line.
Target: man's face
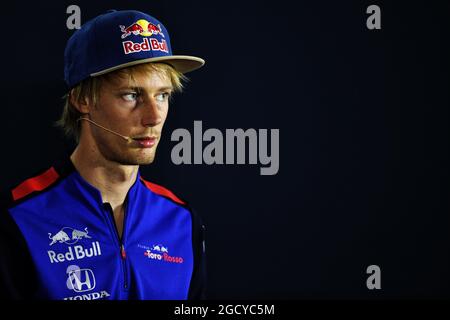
137 110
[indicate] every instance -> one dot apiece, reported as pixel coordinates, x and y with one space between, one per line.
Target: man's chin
137 160
146 158
145 162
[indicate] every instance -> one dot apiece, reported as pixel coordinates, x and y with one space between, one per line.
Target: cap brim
182 64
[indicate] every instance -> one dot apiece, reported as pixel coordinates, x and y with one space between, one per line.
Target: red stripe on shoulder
38 183
162 191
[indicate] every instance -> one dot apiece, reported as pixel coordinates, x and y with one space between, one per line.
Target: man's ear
83 106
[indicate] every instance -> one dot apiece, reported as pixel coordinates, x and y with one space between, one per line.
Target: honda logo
80 280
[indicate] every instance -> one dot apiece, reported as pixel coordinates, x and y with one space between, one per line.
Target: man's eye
132 96
163 96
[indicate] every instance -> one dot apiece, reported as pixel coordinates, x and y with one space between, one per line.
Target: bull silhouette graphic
160 248
62 236
77 234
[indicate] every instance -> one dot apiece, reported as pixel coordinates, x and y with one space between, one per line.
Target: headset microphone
113 132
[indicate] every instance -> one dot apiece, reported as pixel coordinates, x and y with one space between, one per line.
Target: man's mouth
146 142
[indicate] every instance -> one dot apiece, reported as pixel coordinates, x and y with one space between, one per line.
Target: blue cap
118 39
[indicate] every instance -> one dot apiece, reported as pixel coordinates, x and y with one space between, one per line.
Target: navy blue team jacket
58 240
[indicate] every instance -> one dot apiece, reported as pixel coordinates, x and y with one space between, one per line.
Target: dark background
364 136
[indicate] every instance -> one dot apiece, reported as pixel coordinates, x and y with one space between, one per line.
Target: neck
112 179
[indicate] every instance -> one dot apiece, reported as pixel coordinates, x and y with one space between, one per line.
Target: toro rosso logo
68 235
145 29
160 252
141 27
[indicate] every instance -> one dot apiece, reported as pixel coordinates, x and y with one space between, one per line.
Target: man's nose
151 113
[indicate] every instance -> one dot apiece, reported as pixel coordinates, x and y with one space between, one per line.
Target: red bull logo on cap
141 27
145 45
145 29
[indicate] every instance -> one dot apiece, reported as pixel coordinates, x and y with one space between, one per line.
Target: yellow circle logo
144 24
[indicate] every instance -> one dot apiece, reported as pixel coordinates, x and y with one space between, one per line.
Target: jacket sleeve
197 289
17 275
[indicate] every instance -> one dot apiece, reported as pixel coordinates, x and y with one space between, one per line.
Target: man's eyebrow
142 89
165 88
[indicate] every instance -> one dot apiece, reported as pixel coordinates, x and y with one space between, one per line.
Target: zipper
122 252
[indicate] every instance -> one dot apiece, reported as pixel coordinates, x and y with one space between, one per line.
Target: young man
91 227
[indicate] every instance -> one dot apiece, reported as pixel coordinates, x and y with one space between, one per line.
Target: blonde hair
89 90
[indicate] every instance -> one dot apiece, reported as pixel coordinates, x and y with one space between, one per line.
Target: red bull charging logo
143 28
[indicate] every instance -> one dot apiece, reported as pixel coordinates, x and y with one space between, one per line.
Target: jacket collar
66 168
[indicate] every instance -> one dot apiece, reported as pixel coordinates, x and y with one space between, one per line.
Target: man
91 227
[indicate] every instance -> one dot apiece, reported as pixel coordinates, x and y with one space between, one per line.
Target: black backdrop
364 136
